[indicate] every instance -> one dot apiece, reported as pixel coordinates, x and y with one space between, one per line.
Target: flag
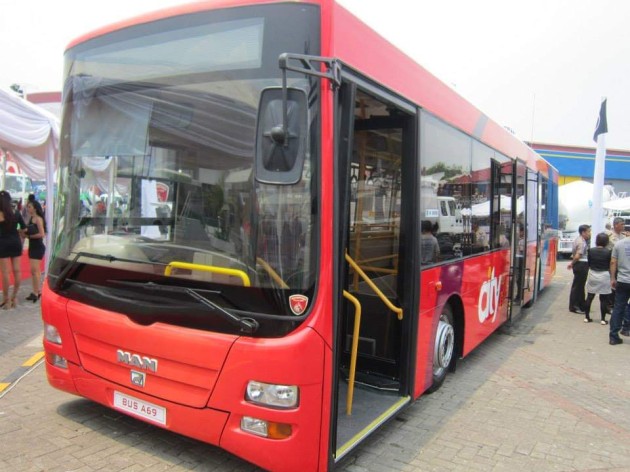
598 223
602 123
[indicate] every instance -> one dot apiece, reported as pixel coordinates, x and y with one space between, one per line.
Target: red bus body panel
482 285
188 361
201 378
295 360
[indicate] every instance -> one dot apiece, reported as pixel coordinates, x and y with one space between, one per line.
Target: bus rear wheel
443 348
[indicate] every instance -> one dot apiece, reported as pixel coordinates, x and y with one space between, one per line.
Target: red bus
238 250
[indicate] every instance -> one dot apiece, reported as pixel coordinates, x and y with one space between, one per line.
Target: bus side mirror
281 136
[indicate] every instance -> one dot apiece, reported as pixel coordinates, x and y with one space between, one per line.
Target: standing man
620 265
617 232
429 246
579 264
615 235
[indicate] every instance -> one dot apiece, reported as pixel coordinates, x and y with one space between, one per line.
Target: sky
539 67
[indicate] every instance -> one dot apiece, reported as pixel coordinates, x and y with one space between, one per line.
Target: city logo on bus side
298 303
488 304
135 360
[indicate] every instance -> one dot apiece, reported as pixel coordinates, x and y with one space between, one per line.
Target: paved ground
548 395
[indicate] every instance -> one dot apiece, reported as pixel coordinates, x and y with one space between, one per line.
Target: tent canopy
31 134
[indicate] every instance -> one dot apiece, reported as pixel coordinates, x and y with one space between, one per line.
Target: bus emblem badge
298 304
138 378
137 361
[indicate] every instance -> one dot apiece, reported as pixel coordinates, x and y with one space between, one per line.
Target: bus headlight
278 396
51 334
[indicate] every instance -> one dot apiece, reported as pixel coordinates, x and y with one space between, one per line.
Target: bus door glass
532 236
519 238
372 364
502 214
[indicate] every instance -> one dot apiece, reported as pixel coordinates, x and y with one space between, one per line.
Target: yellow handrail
354 350
376 290
208 268
272 273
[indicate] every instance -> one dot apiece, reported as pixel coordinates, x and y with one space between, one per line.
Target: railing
208 268
354 349
374 288
357 327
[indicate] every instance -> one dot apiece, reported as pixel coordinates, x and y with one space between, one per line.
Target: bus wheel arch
447 346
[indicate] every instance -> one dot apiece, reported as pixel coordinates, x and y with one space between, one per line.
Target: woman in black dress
35 232
10 249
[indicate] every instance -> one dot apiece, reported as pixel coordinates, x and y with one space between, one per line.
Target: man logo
134 360
138 378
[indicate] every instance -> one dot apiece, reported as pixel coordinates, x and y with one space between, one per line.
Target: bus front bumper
204 424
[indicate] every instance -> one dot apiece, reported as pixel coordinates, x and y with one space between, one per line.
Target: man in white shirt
620 265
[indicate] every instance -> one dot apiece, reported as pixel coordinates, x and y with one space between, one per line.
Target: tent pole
4 167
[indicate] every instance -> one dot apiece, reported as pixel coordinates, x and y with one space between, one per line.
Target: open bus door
377 277
526 238
517 287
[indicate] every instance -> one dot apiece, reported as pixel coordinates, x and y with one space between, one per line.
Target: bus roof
344 37
390 67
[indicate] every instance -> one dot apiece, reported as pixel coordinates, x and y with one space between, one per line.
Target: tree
18 89
449 171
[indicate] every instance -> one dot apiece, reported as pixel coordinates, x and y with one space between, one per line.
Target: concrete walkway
550 394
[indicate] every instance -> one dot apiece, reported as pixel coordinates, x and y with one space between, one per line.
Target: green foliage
17 88
449 172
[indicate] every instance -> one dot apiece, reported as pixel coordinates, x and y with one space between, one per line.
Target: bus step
373 381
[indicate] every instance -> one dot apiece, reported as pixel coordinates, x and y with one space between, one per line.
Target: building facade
578 163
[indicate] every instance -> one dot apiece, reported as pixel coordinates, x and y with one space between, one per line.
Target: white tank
575 202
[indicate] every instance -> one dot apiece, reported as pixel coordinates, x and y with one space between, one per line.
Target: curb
18 374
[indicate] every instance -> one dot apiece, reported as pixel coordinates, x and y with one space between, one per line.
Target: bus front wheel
443 348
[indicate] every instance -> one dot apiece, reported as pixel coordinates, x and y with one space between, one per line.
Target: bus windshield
156 171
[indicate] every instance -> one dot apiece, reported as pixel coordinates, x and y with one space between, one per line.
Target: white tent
32 135
619 204
483 208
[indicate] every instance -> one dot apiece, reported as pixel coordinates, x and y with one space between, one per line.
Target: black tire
443 348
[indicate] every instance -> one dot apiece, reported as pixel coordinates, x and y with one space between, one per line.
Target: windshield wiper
63 276
246 325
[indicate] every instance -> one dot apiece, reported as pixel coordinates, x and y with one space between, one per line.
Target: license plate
137 407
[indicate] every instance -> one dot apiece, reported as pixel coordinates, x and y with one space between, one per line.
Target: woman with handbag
35 232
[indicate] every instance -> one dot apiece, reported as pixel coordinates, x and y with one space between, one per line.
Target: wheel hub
444 346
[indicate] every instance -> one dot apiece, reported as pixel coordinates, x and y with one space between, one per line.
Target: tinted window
445 185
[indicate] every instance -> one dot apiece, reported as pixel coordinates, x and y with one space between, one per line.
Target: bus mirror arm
306 67
333 67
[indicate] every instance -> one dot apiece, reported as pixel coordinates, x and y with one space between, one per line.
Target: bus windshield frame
156 171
